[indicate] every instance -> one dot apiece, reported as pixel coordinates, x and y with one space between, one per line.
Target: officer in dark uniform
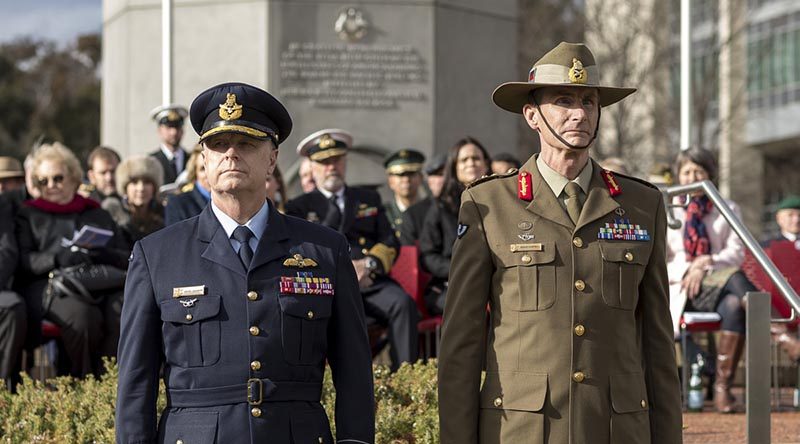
359 215
241 305
414 216
170 154
403 174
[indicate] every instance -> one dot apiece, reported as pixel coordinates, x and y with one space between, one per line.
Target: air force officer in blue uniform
242 306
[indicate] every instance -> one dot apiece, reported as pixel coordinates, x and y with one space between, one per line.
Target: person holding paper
44 229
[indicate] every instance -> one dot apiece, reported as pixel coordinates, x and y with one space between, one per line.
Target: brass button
255 411
252 295
180 441
526 258
254 330
580 285
310 314
498 401
362 241
578 376
255 365
364 251
644 403
320 440
629 256
578 242
580 330
189 317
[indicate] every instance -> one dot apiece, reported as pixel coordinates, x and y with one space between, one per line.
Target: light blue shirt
257 224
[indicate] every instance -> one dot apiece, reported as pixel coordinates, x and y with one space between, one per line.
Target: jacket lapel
219 248
544 203
272 245
599 201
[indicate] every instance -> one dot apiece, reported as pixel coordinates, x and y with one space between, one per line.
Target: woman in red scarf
703 262
89 330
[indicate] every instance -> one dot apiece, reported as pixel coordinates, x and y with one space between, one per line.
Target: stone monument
399 73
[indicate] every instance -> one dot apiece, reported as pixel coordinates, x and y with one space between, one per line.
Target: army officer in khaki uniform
570 260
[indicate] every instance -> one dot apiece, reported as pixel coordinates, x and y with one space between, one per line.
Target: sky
59 20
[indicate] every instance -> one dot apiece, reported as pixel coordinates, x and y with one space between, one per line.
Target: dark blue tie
243 235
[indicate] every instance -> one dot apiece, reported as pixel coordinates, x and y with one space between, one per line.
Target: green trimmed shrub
66 410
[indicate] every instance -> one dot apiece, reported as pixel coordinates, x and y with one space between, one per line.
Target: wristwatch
371 263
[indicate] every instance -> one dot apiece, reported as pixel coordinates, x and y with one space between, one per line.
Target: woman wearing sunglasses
86 304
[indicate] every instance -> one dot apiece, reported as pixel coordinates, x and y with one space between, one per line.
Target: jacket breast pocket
512 407
623 268
304 325
528 278
191 330
630 421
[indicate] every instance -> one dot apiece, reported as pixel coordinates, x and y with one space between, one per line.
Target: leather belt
254 392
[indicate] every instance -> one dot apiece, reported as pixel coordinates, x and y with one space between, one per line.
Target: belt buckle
254 384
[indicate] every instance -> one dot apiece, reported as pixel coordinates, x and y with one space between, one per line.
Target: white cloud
59 20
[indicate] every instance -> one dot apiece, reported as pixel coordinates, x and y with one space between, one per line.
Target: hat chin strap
561 139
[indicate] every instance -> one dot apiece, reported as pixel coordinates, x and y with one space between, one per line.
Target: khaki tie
573 192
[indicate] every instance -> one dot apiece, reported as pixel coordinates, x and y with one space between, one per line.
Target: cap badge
577 74
403 154
326 141
230 110
172 116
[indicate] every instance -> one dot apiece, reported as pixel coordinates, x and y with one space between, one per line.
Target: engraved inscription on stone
352 75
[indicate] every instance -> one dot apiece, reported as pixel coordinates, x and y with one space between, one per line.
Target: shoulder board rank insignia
524 186
611 183
230 110
489 177
298 261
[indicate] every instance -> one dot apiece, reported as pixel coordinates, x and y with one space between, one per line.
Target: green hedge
65 410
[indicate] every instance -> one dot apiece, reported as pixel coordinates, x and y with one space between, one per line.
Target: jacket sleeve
431 244
387 246
31 260
464 330
8 243
661 371
350 357
732 252
140 356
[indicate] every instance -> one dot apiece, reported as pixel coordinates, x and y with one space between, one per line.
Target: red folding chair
408 273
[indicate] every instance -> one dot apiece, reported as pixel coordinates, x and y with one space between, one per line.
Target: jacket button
578 377
310 314
629 256
254 330
255 411
580 285
320 440
580 330
644 403
362 241
526 258
252 295
255 365
498 401
364 251
189 317
578 242
180 441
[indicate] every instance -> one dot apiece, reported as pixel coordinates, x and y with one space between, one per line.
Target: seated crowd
79 287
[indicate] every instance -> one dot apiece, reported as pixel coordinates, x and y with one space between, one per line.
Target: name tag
526 247
196 290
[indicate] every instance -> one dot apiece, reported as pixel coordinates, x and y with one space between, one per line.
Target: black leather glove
67 258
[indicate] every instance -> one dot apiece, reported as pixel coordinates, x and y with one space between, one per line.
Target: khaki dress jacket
578 345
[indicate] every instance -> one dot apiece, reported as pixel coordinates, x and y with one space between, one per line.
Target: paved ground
714 428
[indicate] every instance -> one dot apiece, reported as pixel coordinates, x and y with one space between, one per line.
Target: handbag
85 282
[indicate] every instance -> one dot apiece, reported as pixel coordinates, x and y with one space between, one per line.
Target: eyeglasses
58 179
